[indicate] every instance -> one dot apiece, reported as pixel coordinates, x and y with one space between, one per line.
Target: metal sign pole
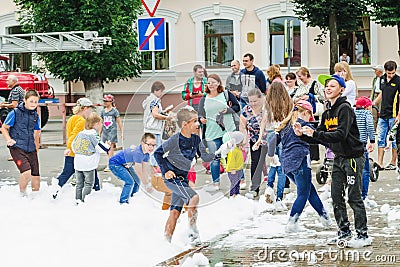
288 43
153 62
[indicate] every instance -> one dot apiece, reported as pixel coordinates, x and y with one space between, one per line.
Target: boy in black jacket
339 129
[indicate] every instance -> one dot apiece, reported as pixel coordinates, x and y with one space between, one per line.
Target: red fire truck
26 81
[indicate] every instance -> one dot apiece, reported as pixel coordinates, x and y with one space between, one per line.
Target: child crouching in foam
87 148
297 164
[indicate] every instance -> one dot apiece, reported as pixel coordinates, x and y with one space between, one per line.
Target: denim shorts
181 192
384 126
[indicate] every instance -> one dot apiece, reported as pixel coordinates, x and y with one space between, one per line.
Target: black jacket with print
339 129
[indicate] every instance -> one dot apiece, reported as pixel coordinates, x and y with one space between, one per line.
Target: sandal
390 167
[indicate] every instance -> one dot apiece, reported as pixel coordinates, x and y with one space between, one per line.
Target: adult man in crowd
345 57
376 85
234 84
193 89
390 88
376 89
16 94
15 97
252 76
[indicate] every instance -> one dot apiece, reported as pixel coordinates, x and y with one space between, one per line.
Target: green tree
333 16
112 18
387 13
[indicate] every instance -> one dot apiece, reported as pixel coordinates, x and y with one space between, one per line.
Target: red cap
306 105
363 102
108 98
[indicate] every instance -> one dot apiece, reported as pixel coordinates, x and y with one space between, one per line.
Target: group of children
338 130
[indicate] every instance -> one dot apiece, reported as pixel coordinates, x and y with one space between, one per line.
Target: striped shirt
16 94
365 123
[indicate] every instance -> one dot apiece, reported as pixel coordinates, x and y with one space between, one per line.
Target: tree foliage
387 13
112 18
333 16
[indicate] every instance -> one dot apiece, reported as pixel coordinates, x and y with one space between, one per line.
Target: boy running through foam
175 158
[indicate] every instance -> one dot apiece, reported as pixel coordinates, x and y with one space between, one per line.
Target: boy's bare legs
174 215
35 183
171 223
24 180
192 212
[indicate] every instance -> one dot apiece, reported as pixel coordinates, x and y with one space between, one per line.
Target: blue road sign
151 33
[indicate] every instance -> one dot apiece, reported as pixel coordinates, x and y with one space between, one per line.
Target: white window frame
216 11
282 9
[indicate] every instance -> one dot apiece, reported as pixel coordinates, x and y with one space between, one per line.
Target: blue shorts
384 126
181 192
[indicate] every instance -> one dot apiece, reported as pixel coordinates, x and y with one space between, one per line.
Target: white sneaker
243 185
106 169
194 237
370 204
293 226
280 206
78 202
269 195
212 187
359 241
326 221
251 194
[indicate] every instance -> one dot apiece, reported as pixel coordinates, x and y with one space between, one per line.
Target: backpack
236 116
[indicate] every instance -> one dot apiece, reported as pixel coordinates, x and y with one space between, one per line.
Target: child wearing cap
234 159
111 117
297 163
75 125
365 123
339 129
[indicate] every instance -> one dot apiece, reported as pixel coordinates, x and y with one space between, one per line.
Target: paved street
261 239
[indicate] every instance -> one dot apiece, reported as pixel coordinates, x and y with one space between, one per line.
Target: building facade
213 33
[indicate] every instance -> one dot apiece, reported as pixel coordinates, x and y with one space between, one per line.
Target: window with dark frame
161 57
277 41
218 42
357 44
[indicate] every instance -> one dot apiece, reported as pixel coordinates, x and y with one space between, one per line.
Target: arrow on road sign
150 33
151 6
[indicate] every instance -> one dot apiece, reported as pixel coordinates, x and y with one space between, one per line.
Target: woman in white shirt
343 69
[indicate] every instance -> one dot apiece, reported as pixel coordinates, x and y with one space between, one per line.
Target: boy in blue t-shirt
21 130
130 166
175 158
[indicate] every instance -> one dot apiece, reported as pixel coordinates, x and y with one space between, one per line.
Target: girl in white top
343 70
